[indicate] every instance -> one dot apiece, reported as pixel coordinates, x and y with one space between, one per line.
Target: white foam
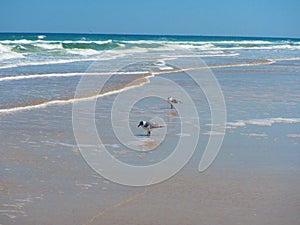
11 216
262 135
113 145
36 76
269 47
165 68
18 42
25 41
49 46
85 42
293 135
236 124
198 42
6 53
162 65
41 36
84 52
143 42
243 64
167 42
103 42
214 133
4 48
284 59
245 42
174 49
186 46
69 101
8 211
183 134
198 54
93 56
176 45
36 63
262 122
208 43
286 120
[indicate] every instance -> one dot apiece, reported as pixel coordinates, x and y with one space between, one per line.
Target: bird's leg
172 106
148 133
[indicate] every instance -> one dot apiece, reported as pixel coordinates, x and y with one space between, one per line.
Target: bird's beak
139 125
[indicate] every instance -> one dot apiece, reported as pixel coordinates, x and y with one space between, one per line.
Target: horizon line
149 34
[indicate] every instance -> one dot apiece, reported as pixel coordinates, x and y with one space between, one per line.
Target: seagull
172 101
148 126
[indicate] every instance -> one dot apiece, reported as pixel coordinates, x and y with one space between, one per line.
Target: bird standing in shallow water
148 126
172 101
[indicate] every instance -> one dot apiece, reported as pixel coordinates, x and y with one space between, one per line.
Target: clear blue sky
271 18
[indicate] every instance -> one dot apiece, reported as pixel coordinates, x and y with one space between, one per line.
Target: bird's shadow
165 108
142 135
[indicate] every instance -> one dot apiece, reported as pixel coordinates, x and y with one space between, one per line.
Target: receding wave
262 122
36 63
250 63
45 104
162 68
37 76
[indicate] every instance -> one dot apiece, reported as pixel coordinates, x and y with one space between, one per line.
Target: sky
260 18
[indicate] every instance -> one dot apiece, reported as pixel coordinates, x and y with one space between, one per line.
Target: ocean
66 99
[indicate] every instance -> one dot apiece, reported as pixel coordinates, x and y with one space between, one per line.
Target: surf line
34 76
68 101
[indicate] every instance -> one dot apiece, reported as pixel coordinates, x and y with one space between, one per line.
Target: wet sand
210 199
59 188
48 182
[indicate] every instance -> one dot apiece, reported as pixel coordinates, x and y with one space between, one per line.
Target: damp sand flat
45 180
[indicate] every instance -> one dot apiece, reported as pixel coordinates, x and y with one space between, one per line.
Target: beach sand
58 187
210 199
